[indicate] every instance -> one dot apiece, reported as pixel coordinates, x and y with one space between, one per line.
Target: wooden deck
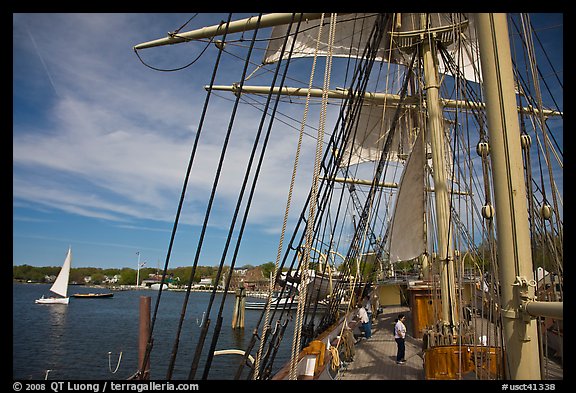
375 359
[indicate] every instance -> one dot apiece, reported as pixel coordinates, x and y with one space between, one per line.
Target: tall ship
431 151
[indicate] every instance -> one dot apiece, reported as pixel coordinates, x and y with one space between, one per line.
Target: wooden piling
144 333
239 307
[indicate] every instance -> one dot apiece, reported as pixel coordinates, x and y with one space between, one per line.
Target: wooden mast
435 129
517 286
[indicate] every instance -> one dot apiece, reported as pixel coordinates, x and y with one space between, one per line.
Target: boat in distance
93 295
60 286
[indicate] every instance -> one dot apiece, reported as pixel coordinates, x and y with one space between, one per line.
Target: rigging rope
335 361
338 166
290 192
312 207
247 207
179 210
256 368
353 110
330 161
173 69
200 344
146 356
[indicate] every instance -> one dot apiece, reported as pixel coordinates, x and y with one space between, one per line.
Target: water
74 341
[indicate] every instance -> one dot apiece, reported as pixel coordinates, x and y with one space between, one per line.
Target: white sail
354 31
407 233
371 133
60 286
456 32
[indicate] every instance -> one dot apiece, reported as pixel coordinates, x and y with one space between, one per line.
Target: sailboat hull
53 300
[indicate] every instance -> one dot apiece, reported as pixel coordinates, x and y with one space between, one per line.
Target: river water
97 339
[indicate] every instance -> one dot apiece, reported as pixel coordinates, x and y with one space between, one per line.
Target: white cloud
119 136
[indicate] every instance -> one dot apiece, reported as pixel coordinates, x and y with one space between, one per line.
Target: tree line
480 260
126 276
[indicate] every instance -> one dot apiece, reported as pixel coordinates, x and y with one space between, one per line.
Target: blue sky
101 144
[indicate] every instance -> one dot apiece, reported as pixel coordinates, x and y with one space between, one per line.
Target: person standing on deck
366 322
375 307
367 304
400 336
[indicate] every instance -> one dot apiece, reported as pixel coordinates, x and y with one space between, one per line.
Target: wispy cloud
120 136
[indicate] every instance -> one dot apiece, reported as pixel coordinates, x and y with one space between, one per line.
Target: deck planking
375 359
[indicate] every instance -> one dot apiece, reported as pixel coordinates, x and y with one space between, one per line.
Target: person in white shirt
366 323
367 304
400 336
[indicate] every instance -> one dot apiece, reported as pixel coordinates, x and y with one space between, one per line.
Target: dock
375 358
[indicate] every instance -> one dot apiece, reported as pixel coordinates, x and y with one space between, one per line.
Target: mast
435 129
519 329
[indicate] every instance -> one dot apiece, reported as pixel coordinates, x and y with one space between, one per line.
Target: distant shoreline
141 288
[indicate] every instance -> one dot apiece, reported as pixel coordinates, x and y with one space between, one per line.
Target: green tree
97 278
27 272
127 276
267 269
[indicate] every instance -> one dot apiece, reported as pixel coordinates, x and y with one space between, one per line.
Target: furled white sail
60 286
371 131
351 37
454 30
407 231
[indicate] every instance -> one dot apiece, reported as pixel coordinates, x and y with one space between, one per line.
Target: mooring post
238 316
144 333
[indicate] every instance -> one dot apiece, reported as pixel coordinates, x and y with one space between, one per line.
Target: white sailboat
60 286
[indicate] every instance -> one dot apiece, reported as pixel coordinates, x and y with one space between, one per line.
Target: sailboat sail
60 286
